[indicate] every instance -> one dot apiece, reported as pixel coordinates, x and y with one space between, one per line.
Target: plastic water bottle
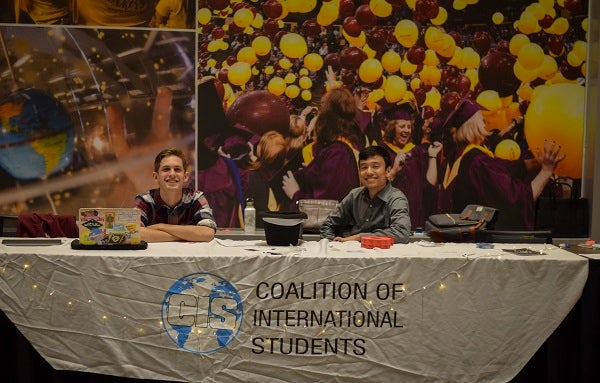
249 216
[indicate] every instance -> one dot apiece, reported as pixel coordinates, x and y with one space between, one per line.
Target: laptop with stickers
109 228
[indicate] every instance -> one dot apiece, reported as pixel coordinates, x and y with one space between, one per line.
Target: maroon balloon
449 101
348 77
352 57
496 73
416 54
222 75
546 21
231 60
260 111
376 38
332 60
482 41
271 27
458 40
351 26
570 72
555 45
218 33
272 8
428 9
220 89
428 112
503 46
346 8
425 87
420 95
365 16
573 6
463 84
523 105
311 28
208 27
451 84
218 4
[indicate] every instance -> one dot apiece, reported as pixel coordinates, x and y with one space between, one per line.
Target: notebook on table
109 228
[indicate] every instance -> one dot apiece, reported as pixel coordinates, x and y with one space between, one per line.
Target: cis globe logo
202 313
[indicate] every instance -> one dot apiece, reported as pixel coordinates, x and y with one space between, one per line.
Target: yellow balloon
560 26
415 83
537 10
406 32
328 13
305 82
313 62
247 54
211 63
573 59
531 56
204 16
580 49
243 17
212 46
380 8
239 73
261 45
407 68
292 91
276 86
516 43
498 18
370 70
524 92
285 63
508 149
447 46
430 75
528 23
473 75
457 58
585 24
441 18
548 68
523 74
547 4
269 70
490 100
303 72
394 89
471 58
459 5
431 58
434 38
289 78
293 45
306 95
258 21
411 4
358 41
391 61
368 51
556 113
433 99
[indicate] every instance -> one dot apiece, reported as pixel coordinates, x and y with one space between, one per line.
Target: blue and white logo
202 313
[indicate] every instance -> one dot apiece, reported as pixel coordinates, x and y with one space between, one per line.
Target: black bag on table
562 211
453 227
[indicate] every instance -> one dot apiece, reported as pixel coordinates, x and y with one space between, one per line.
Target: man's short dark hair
371 151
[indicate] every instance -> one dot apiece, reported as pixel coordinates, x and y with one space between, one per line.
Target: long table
232 311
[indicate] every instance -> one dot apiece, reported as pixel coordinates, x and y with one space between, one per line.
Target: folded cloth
47 225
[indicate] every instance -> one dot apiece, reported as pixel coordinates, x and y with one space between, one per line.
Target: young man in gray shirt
374 209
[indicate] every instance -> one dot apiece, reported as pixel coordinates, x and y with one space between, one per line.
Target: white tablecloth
242 311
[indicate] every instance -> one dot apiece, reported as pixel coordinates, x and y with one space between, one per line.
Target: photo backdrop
87 102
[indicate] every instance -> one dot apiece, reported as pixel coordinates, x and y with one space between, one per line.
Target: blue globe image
37 135
202 313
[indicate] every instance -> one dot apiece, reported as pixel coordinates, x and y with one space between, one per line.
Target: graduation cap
397 111
464 110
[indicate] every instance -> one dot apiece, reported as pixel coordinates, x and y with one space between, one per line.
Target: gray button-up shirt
384 215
